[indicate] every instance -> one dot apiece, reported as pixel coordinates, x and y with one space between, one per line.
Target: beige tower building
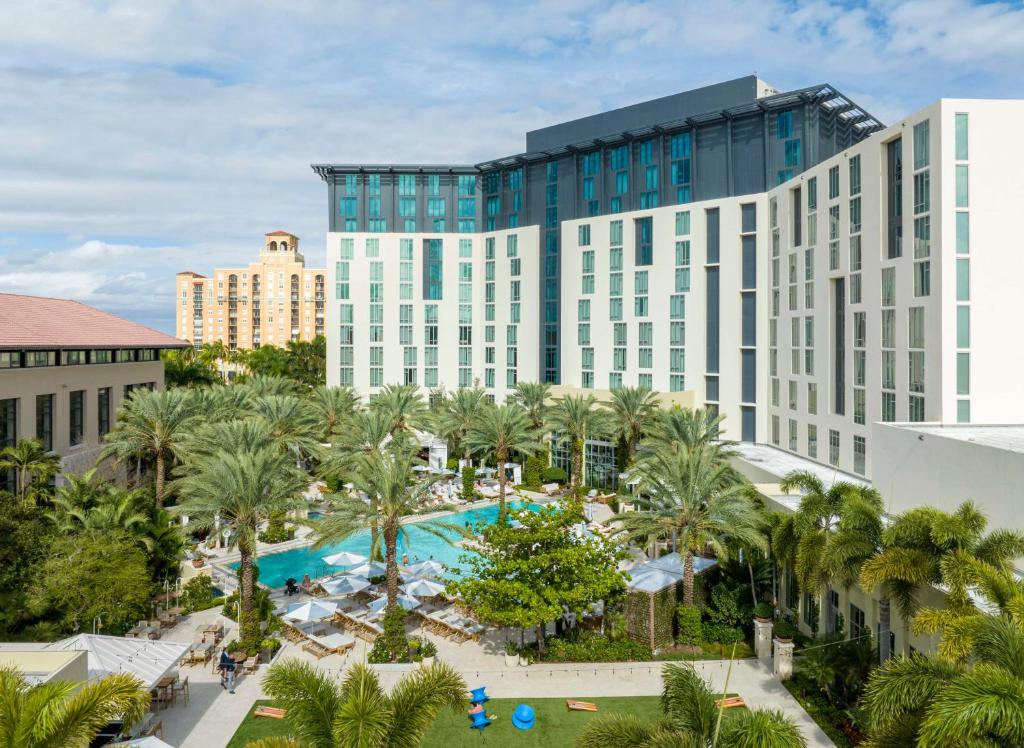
274 300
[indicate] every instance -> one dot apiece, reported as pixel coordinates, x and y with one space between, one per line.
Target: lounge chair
315 649
270 711
550 489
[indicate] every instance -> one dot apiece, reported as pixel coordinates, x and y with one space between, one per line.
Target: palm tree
114 511
577 418
291 422
262 385
385 478
682 428
857 538
799 539
359 713
934 701
333 406
926 547
635 410
184 368
63 714
533 396
698 502
239 491
692 720
152 423
502 430
458 415
403 405
34 465
216 354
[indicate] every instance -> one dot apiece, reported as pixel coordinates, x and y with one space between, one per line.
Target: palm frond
310 699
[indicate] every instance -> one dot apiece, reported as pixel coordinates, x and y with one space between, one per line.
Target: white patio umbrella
420 469
347 584
429 568
344 558
313 610
371 569
404 601
423 588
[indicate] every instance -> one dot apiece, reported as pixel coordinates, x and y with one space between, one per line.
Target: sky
139 139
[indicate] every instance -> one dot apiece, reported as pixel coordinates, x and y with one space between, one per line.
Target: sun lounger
580 706
730 702
550 488
315 648
270 711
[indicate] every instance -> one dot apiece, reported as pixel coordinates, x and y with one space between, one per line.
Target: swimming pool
275 568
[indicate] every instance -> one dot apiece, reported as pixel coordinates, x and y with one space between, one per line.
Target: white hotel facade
846 294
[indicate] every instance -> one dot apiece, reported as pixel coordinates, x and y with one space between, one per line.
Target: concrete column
783 661
763 640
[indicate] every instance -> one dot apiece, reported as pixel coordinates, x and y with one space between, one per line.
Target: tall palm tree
922 546
291 421
239 491
696 501
933 701
152 423
502 430
577 418
403 405
533 396
65 714
184 368
359 713
333 406
262 385
458 415
856 539
692 720
216 354
799 539
33 464
636 411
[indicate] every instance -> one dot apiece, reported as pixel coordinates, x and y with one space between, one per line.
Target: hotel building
841 291
274 300
65 369
783 257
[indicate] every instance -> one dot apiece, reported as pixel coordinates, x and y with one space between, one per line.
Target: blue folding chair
477 695
480 720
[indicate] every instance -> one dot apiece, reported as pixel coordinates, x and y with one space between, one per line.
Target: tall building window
103 411
644 253
76 417
44 421
433 269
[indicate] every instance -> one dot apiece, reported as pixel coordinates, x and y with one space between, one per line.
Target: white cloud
175 133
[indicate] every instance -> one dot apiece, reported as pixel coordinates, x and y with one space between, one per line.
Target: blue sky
138 139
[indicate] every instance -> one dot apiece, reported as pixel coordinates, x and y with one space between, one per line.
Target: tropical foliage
692 718
32 464
358 712
502 430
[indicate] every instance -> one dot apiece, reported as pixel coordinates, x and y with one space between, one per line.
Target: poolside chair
478 720
478 695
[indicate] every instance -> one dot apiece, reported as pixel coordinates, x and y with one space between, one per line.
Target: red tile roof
41 322
280 233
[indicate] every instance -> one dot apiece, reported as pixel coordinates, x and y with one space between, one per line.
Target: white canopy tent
146 659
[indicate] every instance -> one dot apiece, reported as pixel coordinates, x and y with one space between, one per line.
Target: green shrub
688 623
394 633
784 629
726 607
532 472
197 594
586 646
723 634
452 464
468 483
764 610
553 474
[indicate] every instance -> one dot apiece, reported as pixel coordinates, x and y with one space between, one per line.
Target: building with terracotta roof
274 300
65 369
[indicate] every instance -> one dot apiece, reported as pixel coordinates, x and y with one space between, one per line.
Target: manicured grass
555 727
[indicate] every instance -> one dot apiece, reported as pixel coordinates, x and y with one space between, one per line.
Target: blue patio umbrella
523 717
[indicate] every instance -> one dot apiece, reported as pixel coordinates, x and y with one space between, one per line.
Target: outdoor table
163 688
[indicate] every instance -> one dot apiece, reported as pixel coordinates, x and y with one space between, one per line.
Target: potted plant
784 630
524 659
763 612
511 654
267 648
428 650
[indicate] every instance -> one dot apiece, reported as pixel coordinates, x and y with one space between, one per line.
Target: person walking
227 671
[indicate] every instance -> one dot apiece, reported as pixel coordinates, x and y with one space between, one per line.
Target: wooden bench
269 711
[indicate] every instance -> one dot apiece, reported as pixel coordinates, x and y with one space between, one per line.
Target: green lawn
555 727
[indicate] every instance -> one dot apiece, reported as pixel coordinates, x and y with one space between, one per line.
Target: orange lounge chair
730 702
580 706
269 711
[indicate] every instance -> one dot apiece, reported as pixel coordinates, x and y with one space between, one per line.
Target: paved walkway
213 715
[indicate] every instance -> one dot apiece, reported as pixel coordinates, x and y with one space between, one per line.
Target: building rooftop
766 466
1008 437
41 322
280 233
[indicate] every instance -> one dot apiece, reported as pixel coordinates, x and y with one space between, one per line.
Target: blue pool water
275 568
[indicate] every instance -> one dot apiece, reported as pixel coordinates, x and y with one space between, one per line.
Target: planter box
511 660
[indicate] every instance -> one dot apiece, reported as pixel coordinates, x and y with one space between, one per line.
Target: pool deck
213 715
